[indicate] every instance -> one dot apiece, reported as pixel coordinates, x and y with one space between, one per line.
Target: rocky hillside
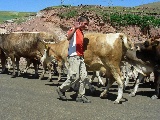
57 20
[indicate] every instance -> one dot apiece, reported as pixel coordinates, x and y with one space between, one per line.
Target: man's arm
70 34
77 25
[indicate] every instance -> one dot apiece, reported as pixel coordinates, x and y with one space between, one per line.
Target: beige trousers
76 74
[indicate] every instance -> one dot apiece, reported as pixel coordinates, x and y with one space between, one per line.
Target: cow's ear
146 44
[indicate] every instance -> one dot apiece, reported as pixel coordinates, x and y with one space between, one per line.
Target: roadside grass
15 16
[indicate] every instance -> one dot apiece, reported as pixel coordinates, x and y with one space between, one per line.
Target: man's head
84 21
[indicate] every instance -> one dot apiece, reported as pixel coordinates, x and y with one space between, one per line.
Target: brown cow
56 52
3 61
152 48
24 44
101 50
145 60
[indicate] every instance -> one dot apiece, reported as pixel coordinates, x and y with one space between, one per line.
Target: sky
37 5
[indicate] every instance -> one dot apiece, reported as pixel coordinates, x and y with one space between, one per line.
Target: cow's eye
146 44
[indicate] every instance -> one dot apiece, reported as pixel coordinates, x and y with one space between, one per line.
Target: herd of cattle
112 55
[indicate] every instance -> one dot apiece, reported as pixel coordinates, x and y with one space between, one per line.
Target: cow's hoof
41 77
59 79
35 76
24 71
116 102
103 95
49 79
4 71
98 85
93 90
154 97
124 87
132 94
103 84
13 76
18 74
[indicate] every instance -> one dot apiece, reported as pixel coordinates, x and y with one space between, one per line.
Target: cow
55 52
143 61
24 44
133 72
101 50
152 46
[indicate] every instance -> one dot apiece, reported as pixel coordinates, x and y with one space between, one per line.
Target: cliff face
49 21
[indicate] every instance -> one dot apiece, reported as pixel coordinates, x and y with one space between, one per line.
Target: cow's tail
127 42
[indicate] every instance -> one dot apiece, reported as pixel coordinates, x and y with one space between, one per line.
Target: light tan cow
55 52
100 50
24 44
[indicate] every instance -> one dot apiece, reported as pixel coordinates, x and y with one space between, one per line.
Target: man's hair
83 18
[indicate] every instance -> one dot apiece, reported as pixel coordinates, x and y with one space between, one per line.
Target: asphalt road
24 98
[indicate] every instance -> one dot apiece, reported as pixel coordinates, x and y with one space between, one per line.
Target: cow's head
145 46
151 43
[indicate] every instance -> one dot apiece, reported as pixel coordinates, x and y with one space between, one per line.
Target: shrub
69 14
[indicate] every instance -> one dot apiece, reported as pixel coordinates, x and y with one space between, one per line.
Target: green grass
151 5
16 16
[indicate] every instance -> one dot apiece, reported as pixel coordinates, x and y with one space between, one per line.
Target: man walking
77 70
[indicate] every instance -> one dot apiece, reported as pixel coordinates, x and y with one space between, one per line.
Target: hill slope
135 22
151 5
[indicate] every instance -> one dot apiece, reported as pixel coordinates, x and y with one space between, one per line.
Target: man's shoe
83 99
61 94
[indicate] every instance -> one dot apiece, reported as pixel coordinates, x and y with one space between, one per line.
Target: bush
69 14
117 19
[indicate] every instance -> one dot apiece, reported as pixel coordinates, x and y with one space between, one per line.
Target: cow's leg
93 76
118 77
63 69
17 65
127 74
9 63
106 90
3 62
96 74
44 71
157 82
59 69
99 78
59 73
13 63
126 82
35 64
92 89
27 66
55 68
137 82
50 73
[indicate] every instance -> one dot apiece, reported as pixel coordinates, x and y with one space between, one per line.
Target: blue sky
37 5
